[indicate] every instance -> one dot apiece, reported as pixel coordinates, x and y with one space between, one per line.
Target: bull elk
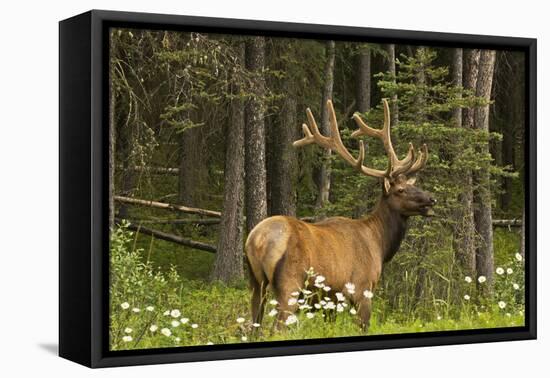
281 249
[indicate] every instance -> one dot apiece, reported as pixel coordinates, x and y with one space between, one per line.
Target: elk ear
387 185
411 180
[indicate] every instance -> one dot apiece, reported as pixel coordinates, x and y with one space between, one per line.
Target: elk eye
400 190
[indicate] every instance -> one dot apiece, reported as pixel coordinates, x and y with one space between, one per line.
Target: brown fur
281 249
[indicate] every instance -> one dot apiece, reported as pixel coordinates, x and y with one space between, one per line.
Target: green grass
152 273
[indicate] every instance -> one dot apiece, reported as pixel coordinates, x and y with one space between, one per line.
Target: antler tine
334 142
396 166
420 162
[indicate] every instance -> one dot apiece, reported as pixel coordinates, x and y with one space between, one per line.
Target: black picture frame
83 195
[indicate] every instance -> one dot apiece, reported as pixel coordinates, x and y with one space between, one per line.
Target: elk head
400 193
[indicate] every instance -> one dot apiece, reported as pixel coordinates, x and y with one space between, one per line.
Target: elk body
281 249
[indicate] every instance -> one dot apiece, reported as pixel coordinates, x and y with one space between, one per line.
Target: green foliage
151 308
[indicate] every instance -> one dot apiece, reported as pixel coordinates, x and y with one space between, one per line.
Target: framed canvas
235 188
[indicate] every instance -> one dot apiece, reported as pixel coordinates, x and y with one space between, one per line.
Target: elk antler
334 142
409 164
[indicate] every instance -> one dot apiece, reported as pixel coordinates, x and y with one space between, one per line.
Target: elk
281 249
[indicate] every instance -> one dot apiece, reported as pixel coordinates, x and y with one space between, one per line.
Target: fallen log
152 170
172 238
168 206
507 222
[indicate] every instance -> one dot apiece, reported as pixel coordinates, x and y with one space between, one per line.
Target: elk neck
389 226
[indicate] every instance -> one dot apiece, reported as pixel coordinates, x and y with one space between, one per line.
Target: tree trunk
192 167
363 90
482 178
255 192
390 61
464 241
112 118
228 266
284 165
457 71
324 171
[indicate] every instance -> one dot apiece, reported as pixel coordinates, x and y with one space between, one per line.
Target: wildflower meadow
152 307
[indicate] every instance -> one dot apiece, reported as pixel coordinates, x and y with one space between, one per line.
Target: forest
201 133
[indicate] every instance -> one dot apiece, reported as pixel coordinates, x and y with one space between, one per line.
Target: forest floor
162 298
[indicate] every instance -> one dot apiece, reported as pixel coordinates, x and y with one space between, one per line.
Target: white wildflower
244 338
467 297
310 315
481 279
166 313
353 311
306 292
500 271
127 338
149 308
519 257
177 339
508 314
330 306
175 313
438 317
340 297
292 301
295 293
515 286
323 302
305 306
368 294
339 307
184 320
350 288
256 325
153 328
125 305
319 285
166 332
502 304
468 279
291 320
210 343
509 271
301 301
272 313
128 330
273 302
136 310
319 279
194 325
175 323
240 320
317 306
326 288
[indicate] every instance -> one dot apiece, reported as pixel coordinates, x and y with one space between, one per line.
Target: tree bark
363 90
192 167
228 266
324 171
255 177
457 72
482 178
284 157
390 67
464 233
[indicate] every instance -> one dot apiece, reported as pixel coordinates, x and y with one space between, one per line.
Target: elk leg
364 311
259 291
